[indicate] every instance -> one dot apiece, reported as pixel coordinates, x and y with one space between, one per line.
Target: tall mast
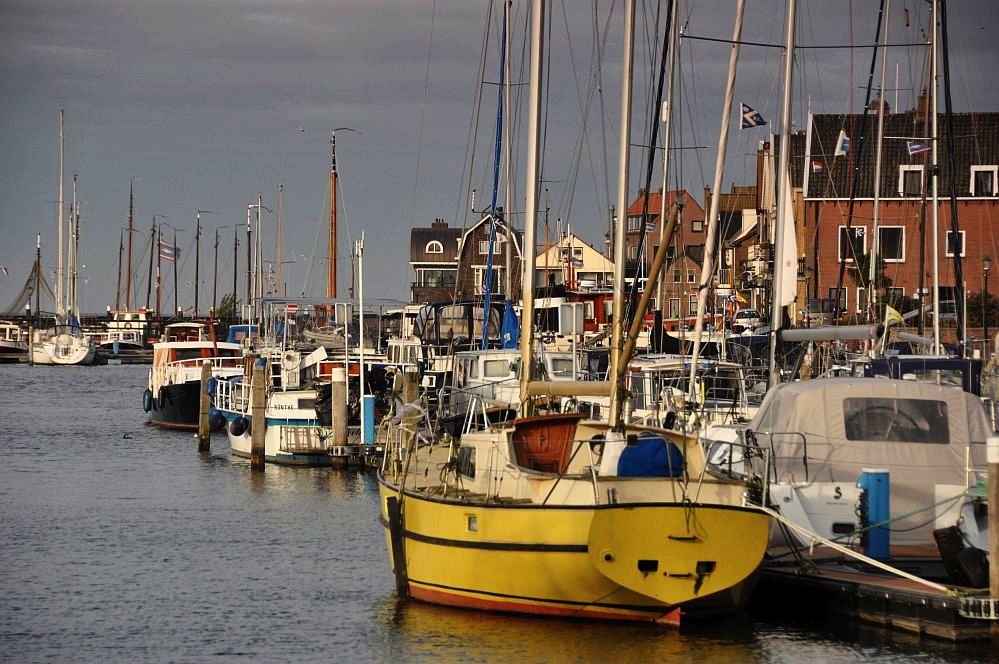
176 290
617 331
249 256
280 234
60 290
667 108
159 278
38 275
121 248
709 242
235 265
331 247
872 285
784 191
933 175
74 219
128 272
508 199
531 206
153 247
197 261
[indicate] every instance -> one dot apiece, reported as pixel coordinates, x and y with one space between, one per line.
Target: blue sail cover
510 330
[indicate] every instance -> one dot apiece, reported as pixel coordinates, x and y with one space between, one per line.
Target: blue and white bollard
368 420
876 485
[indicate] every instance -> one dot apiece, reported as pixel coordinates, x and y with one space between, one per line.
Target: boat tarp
919 432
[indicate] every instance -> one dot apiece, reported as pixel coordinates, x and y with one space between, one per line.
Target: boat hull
177 406
593 562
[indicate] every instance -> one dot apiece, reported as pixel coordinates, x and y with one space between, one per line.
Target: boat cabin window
896 420
496 368
465 464
182 354
945 377
473 367
561 367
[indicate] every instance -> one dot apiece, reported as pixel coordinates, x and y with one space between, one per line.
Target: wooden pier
844 588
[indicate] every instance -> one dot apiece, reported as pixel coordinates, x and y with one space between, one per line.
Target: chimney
439 223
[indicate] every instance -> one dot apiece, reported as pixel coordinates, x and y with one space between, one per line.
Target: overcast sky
202 101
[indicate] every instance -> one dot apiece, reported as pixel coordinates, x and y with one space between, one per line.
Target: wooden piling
397 536
204 426
338 397
31 345
258 421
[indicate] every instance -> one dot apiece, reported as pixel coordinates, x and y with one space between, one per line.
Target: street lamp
986 267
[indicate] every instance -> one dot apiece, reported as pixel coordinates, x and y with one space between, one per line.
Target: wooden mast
128 272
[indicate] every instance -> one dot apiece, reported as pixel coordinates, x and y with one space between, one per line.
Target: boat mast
331 247
531 208
872 284
709 242
667 108
60 290
508 197
617 329
128 272
74 219
935 183
280 233
121 248
783 188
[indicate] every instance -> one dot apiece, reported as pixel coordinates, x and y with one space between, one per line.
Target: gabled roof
419 238
976 142
692 209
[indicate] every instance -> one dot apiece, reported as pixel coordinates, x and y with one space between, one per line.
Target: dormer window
434 247
910 181
984 180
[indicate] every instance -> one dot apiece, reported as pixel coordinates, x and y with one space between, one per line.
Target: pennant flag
915 147
892 316
842 144
751 118
169 252
817 166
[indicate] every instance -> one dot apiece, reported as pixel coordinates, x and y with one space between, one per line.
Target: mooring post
992 452
31 345
204 427
397 536
338 397
258 421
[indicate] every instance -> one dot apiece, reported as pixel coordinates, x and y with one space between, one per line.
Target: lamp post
986 267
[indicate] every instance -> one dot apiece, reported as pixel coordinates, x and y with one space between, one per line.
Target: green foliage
228 307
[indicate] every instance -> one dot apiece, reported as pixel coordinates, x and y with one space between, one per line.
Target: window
484 248
691 305
587 310
496 368
634 223
633 252
842 298
434 247
861 300
577 252
983 180
891 244
855 246
690 277
697 225
480 280
676 276
896 420
894 295
473 368
674 307
951 245
910 180
436 278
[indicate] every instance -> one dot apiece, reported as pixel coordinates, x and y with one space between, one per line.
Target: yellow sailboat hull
618 562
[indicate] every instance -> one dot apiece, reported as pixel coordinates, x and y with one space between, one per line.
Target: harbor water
120 542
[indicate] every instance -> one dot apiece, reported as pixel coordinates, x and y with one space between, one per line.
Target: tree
228 307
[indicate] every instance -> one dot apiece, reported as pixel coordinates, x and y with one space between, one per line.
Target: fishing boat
173 391
557 515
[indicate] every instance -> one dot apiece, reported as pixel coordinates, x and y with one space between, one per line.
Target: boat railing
773 438
167 374
232 396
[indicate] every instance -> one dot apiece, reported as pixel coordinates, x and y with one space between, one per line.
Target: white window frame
985 169
434 247
964 244
881 252
484 244
839 243
691 305
691 277
697 225
909 168
888 293
634 223
674 306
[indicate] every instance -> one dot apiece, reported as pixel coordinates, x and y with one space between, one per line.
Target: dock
847 589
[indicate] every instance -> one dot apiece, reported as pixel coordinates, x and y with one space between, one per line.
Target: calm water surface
119 542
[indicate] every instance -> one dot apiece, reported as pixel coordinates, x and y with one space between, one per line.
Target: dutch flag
169 252
915 147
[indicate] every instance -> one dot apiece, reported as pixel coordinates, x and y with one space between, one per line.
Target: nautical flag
817 166
892 316
650 227
915 147
751 118
577 262
842 144
169 252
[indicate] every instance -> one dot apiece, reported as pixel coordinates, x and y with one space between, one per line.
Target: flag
169 252
842 144
577 262
650 227
892 316
751 118
817 166
915 147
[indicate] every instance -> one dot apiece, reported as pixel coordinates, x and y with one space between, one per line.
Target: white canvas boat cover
919 432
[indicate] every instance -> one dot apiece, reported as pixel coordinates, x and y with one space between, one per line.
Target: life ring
147 400
128 326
